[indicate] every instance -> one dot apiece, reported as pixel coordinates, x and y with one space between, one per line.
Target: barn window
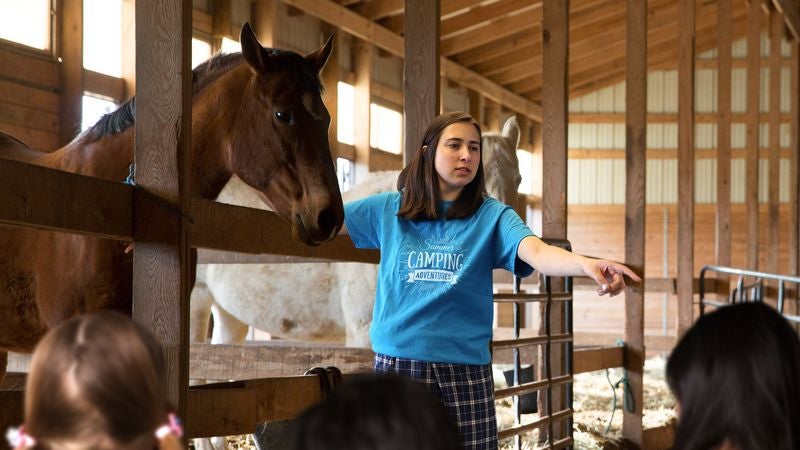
386 129
525 167
102 36
26 22
230 46
201 51
345 127
93 109
344 171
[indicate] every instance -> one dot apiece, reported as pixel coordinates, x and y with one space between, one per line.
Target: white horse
322 302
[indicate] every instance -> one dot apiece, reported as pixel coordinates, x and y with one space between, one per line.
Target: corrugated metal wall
602 181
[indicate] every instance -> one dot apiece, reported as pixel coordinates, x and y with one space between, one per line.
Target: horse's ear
252 50
320 57
511 131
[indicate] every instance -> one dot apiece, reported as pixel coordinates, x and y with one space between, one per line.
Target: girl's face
457 157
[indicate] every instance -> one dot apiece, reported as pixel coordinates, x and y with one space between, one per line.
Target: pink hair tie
173 426
18 439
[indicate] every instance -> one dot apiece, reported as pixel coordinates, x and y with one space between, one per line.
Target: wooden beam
491 115
591 359
128 51
723 208
659 438
201 22
662 56
555 56
363 53
465 23
386 94
265 22
421 86
791 14
209 230
221 23
70 47
384 38
595 59
794 184
776 36
161 284
686 37
330 78
44 198
753 112
379 9
490 32
476 105
105 85
273 359
449 8
635 173
32 72
224 409
583 14
584 31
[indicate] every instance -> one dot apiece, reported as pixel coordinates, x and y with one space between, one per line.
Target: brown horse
257 114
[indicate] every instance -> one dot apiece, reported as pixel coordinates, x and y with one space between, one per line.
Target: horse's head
500 163
280 145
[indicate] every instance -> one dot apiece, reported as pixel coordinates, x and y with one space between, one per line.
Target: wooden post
421 86
723 207
491 115
362 66
635 170
686 36
476 104
70 49
794 185
776 35
330 78
753 110
555 56
264 16
129 47
221 22
161 277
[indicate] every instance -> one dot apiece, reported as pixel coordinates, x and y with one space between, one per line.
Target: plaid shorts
467 392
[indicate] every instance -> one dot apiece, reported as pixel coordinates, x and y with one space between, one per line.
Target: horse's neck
107 158
214 114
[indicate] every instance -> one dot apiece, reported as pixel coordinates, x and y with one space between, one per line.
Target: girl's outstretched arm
555 261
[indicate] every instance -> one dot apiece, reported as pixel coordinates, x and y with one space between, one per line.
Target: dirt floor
593 401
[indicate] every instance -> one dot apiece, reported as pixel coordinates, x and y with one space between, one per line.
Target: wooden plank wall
29 100
597 230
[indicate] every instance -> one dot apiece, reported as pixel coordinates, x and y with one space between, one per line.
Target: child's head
376 412
736 376
420 179
97 381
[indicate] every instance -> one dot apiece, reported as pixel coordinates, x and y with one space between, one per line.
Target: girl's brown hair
97 381
419 181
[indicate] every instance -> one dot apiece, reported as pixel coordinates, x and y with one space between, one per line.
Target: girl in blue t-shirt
440 237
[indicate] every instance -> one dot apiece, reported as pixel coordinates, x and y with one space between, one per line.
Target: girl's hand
608 275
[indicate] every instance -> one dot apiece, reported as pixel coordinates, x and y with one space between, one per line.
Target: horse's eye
285 117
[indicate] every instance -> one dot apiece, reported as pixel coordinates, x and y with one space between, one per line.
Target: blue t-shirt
434 291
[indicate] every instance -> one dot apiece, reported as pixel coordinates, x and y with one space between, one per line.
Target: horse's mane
281 61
